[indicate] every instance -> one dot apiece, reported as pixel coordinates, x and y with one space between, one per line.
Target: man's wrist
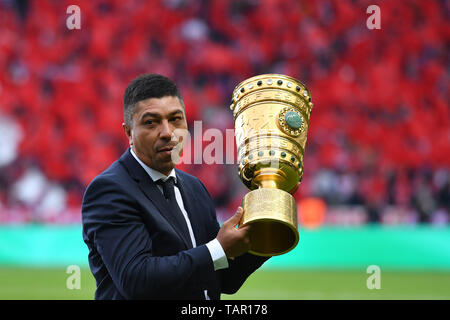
218 255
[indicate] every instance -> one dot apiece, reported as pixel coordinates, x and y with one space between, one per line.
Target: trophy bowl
271 116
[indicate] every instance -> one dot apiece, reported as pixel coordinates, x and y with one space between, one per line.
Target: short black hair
144 87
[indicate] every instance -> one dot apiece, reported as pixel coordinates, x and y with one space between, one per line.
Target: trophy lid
268 81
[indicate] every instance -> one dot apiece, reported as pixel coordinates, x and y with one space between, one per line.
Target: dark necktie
169 194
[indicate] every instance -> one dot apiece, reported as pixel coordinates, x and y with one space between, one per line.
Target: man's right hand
235 242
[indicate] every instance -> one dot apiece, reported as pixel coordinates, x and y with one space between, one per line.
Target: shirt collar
154 175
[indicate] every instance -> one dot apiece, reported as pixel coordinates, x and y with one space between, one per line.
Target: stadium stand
379 136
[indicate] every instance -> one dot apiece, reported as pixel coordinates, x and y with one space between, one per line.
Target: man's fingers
234 220
246 228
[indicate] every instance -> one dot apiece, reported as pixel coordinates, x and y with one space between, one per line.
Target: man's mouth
166 151
168 148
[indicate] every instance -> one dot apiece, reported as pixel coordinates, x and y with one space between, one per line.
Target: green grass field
50 283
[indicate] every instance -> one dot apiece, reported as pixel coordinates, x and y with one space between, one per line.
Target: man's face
158 125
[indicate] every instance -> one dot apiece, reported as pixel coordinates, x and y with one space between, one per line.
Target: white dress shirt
218 256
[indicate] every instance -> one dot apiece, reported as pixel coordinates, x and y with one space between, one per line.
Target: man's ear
127 130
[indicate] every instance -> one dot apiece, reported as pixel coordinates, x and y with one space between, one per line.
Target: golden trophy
271 116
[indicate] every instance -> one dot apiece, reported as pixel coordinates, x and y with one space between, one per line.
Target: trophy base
272 213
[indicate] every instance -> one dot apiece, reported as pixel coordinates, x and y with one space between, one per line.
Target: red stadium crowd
379 134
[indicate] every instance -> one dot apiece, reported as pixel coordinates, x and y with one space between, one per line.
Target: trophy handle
245 177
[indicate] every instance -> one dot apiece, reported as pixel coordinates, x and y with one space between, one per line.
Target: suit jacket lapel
152 192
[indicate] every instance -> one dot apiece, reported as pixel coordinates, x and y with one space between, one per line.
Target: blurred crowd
379 135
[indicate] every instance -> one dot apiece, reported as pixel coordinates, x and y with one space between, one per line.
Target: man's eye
176 118
149 122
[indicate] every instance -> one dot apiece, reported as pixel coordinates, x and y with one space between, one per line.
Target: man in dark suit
151 229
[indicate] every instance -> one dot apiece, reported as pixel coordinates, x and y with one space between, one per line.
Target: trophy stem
269 178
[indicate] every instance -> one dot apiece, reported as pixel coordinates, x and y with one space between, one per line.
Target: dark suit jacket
135 252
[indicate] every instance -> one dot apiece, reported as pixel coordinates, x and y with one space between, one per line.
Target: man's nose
166 130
